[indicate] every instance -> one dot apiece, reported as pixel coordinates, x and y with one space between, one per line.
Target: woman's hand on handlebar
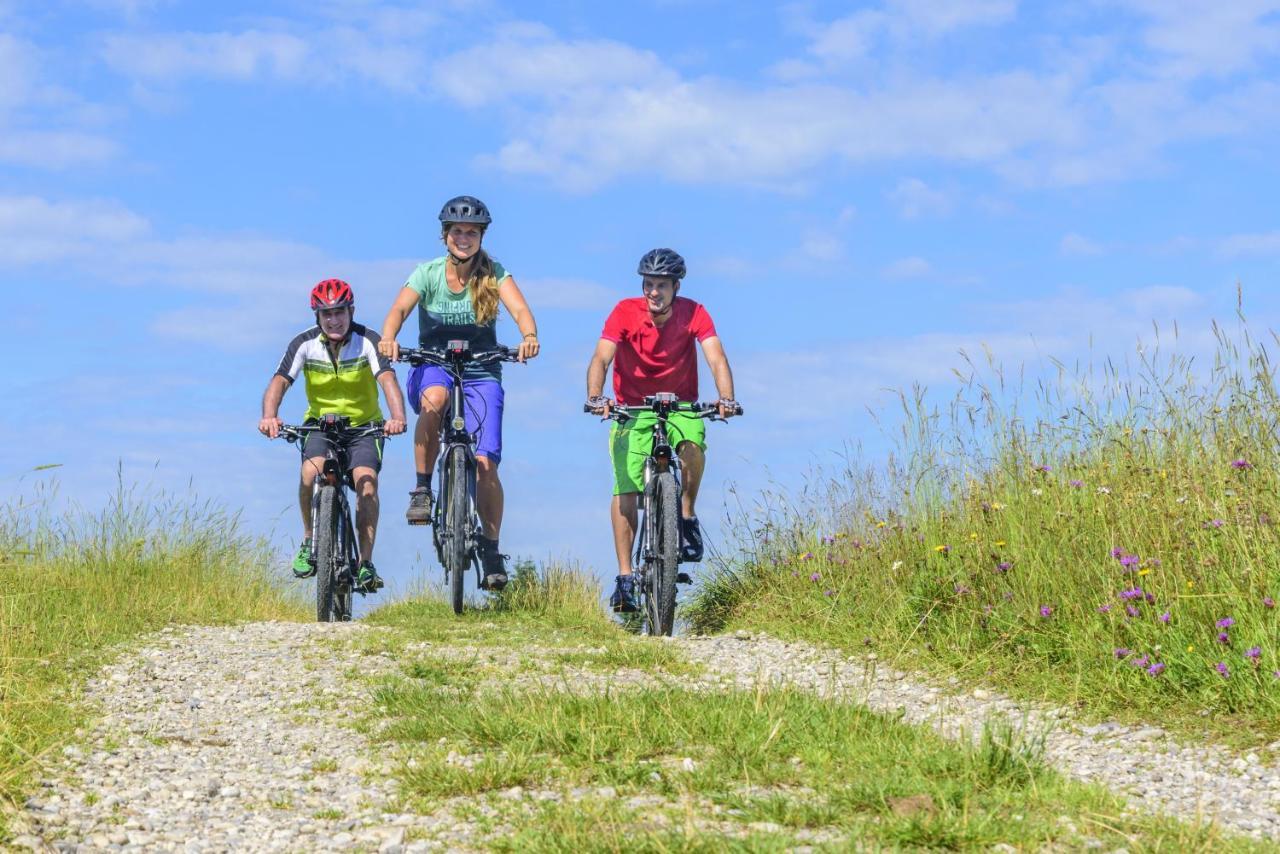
390 348
270 427
528 348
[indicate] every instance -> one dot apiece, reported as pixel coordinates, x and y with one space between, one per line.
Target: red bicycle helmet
332 293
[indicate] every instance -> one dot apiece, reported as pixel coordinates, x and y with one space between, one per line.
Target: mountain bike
657 548
455 521
334 548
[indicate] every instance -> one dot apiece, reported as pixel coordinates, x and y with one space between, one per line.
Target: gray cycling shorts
362 451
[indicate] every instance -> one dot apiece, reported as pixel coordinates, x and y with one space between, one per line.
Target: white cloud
241 56
908 268
1196 38
569 294
34 230
1265 243
915 199
898 22
1076 244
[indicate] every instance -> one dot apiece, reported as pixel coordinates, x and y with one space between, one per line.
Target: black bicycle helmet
465 209
662 262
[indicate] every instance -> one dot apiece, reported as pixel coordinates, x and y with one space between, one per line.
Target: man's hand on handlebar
728 407
270 427
598 405
390 348
393 426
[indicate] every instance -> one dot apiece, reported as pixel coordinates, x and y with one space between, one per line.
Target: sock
424 481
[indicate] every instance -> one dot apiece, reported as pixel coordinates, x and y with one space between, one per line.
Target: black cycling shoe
683 577
690 540
419 512
493 564
623 600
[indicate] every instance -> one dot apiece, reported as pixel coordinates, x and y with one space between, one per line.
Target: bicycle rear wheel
327 551
456 521
660 579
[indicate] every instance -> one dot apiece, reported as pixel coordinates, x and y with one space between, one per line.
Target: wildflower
1043 469
1037 491
1117 552
1134 593
1241 464
795 573
1223 637
1104 609
1131 610
1216 523
1140 661
1156 669
1122 652
897 564
1164 618
1190 584
1004 566
807 556
1222 668
1129 561
1076 484
1045 611
973 535
1144 572
1268 602
961 590
1151 598
1253 653
996 505
1191 647
881 524
942 549
1103 490
815 578
1007 596
828 593
840 535
826 540
1000 543
1226 623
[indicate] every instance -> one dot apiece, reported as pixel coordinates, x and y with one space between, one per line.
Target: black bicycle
334 548
455 521
657 549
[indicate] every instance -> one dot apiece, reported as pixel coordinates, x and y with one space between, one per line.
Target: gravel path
239 739
1193 782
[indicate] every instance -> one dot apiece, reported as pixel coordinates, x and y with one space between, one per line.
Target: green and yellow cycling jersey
346 385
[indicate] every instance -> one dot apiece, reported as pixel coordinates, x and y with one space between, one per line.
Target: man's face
463 239
659 291
335 322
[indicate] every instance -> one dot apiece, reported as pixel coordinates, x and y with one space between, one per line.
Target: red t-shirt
653 359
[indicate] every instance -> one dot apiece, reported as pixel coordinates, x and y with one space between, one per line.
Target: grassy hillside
73 587
1107 540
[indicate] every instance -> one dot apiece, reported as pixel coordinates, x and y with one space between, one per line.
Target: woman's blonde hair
483 282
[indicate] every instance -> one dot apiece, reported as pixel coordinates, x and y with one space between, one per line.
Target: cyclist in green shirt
343 369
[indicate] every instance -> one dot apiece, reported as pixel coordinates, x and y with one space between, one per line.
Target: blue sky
861 191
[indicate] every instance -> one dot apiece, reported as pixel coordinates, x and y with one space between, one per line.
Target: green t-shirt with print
444 316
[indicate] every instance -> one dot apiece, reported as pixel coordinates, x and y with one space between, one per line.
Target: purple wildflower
1117 552
1214 523
1044 468
1122 652
827 539
1076 484
1003 566
1132 593
1104 609
961 590
1226 623
1223 637
1131 610
807 556
816 577
1164 618
828 593
1222 668
1045 611
1241 464
1156 669
1152 561
1140 661
1129 561
1253 653
1268 602
1151 598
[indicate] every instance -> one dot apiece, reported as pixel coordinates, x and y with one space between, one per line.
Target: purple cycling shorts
482 405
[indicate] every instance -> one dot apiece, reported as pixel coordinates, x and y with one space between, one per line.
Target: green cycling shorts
630 444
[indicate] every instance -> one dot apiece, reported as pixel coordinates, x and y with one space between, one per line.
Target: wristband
531 335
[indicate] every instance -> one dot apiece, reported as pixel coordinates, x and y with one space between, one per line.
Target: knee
433 402
689 450
367 485
486 469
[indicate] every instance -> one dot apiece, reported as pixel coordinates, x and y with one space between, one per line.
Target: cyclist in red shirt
649 340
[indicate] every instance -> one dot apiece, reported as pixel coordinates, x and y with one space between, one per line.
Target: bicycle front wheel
457 518
327 551
664 510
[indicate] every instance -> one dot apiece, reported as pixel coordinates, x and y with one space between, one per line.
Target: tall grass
72 586
1107 537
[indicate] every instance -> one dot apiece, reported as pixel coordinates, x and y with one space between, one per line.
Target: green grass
74 587
716 763
1010 534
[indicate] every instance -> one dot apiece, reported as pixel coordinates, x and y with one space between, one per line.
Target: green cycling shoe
303 564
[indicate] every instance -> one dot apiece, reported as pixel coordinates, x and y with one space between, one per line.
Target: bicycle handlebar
296 432
710 411
444 358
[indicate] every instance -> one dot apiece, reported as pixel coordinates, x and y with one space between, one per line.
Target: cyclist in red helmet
343 369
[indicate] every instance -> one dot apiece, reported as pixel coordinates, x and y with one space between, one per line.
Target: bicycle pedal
419 524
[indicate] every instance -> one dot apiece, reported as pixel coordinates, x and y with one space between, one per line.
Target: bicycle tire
327 551
344 592
456 521
661 577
